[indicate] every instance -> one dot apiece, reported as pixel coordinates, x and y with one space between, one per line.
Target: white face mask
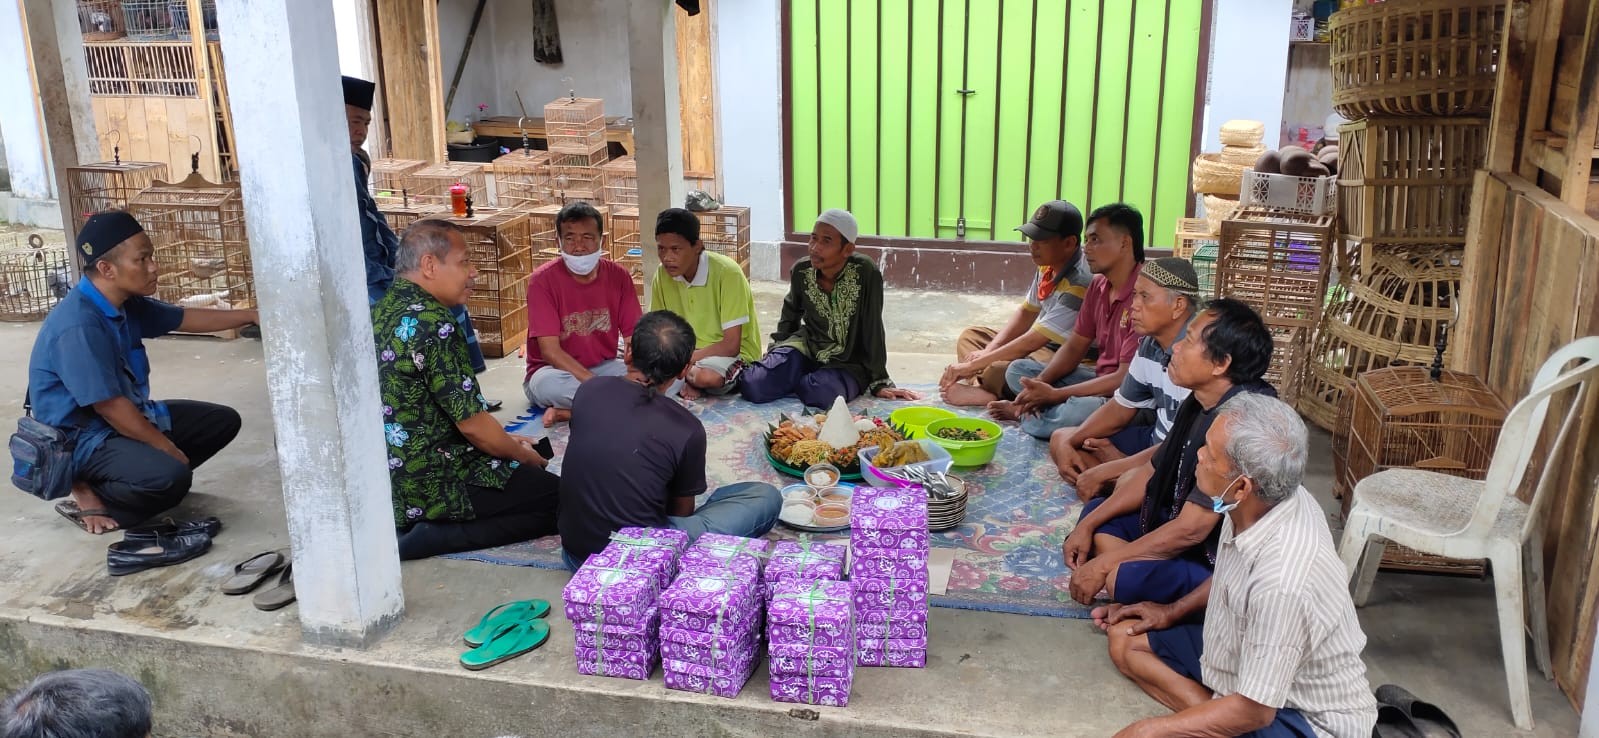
582 266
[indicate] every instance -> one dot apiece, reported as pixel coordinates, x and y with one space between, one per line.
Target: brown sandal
69 510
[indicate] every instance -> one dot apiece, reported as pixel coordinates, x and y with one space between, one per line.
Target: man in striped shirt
1278 655
1111 441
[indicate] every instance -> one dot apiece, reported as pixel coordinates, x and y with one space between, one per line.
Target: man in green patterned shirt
460 482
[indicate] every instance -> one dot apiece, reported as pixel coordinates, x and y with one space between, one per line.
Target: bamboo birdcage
401 217
541 226
179 10
627 245
391 180
621 181
574 125
1408 180
147 20
500 244
522 179
101 20
1410 417
96 188
1191 234
1391 313
726 230
201 246
1416 58
1279 264
433 183
578 177
33 278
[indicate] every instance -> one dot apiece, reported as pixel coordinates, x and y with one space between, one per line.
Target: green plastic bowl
967 453
915 419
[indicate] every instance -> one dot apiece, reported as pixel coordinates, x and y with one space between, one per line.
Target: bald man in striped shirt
1278 655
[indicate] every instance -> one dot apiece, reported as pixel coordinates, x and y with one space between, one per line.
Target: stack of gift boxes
811 629
711 616
612 602
888 573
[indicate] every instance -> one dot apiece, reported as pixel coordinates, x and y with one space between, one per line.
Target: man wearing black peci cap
89 376
1043 322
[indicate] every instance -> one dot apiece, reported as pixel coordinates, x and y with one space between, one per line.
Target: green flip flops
507 642
502 615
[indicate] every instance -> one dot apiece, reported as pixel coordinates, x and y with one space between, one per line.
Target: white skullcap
843 221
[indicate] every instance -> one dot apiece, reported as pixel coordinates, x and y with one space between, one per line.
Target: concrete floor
219 667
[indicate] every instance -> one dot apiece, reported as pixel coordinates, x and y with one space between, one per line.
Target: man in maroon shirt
579 309
1064 393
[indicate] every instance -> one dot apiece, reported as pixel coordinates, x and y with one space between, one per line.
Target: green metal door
956 118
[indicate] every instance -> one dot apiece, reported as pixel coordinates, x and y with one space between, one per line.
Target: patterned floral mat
1007 552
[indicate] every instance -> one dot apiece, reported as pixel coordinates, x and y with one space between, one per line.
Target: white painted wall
480 78
593 51
19 116
749 92
1248 65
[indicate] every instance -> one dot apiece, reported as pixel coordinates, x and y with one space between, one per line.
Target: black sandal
1423 715
250 573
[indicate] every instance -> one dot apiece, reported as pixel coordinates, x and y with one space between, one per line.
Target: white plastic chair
1465 519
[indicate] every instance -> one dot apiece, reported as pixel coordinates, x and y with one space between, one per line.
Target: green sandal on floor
508 642
505 614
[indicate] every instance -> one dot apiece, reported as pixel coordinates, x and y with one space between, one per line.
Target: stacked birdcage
621 182
574 128
33 278
433 182
147 20
726 230
627 246
108 185
401 217
541 227
179 10
201 247
1279 264
500 244
391 180
101 20
522 179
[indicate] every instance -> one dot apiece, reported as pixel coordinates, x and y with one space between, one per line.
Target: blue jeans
1070 413
1180 647
745 509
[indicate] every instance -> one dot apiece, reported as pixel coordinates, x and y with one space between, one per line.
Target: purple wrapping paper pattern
617 669
793 560
900 601
610 655
814 666
720 561
913 659
708 654
645 627
730 552
620 597
695 593
803 634
726 687
803 605
897 629
660 562
890 540
726 642
676 540
615 642
735 666
817 690
877 562
889 509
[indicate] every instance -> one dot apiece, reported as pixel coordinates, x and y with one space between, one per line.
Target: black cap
103 232
1054 219
358 92
680 222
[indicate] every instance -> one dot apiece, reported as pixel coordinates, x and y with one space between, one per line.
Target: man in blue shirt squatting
90 377
378 242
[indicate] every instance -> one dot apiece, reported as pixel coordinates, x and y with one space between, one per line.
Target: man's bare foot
688 392
556 415
1003 410
1100 615
961 394
1103 449
86 499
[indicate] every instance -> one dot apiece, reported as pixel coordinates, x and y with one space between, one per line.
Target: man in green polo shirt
710 291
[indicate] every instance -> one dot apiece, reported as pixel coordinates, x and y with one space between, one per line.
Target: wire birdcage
574 125
101 20
522 179
201 247
109 185
33 278
147 20
179 10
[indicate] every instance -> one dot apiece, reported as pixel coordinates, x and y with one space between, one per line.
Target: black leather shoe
148 532
128 557
495 405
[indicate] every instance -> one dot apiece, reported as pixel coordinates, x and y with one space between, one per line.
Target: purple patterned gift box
797 658
617 668
708 653
880 562
698 561
805 560
910 653
727 687
803 634
730 548
609 655
609 596
890 593
890 624
658 561
718 604
897 514
638 637
810 609
675 540
813 690
735 665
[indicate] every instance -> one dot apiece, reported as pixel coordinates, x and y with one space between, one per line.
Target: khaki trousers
992 379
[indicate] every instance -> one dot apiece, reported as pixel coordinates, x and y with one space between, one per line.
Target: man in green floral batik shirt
460 481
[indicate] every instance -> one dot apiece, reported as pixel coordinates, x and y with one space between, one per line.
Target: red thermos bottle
458 199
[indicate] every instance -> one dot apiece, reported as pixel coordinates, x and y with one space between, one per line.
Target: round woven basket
1416 58
1218 209
1212 176
1242 156
1246 133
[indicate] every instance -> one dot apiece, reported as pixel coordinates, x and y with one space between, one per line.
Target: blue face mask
1218 504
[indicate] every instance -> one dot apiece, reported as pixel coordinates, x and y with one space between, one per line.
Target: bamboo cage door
696 92
412 79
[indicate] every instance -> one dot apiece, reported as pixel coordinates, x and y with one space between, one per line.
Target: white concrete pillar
62 88
657 119
294 160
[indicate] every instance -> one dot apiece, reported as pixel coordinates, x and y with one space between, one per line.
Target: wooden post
412 79
202 79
